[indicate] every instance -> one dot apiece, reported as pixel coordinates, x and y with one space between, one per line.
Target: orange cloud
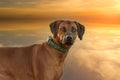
90 12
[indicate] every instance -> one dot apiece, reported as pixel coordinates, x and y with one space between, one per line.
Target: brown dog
41 61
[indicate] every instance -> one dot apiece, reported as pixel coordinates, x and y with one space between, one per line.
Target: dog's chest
50 64
53 72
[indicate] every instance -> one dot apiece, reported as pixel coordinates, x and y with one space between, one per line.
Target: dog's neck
56 44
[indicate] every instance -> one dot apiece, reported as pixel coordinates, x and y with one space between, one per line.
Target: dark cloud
23 3
19 3
21 37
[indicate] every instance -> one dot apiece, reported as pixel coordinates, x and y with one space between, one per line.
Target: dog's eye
63 29
74 30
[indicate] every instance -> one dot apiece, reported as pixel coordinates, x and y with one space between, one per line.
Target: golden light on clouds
82 5
106 6
89 12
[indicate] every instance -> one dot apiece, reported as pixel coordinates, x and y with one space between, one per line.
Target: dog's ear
54 27
80 30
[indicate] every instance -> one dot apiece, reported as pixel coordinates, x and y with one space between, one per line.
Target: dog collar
54 45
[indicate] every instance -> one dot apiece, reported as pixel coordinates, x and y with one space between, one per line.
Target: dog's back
16 62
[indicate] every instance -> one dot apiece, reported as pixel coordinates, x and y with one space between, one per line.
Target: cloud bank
21 37
96 57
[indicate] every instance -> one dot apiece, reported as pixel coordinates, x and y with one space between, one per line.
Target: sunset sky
87 11
96 57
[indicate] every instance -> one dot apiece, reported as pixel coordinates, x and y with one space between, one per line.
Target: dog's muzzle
69 40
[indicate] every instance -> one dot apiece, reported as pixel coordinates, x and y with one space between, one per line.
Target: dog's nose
69 38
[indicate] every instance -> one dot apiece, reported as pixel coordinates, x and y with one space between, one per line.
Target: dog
43 61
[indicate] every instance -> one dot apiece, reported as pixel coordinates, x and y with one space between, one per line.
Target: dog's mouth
69 43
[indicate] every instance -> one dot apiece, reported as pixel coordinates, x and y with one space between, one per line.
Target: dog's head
65 31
